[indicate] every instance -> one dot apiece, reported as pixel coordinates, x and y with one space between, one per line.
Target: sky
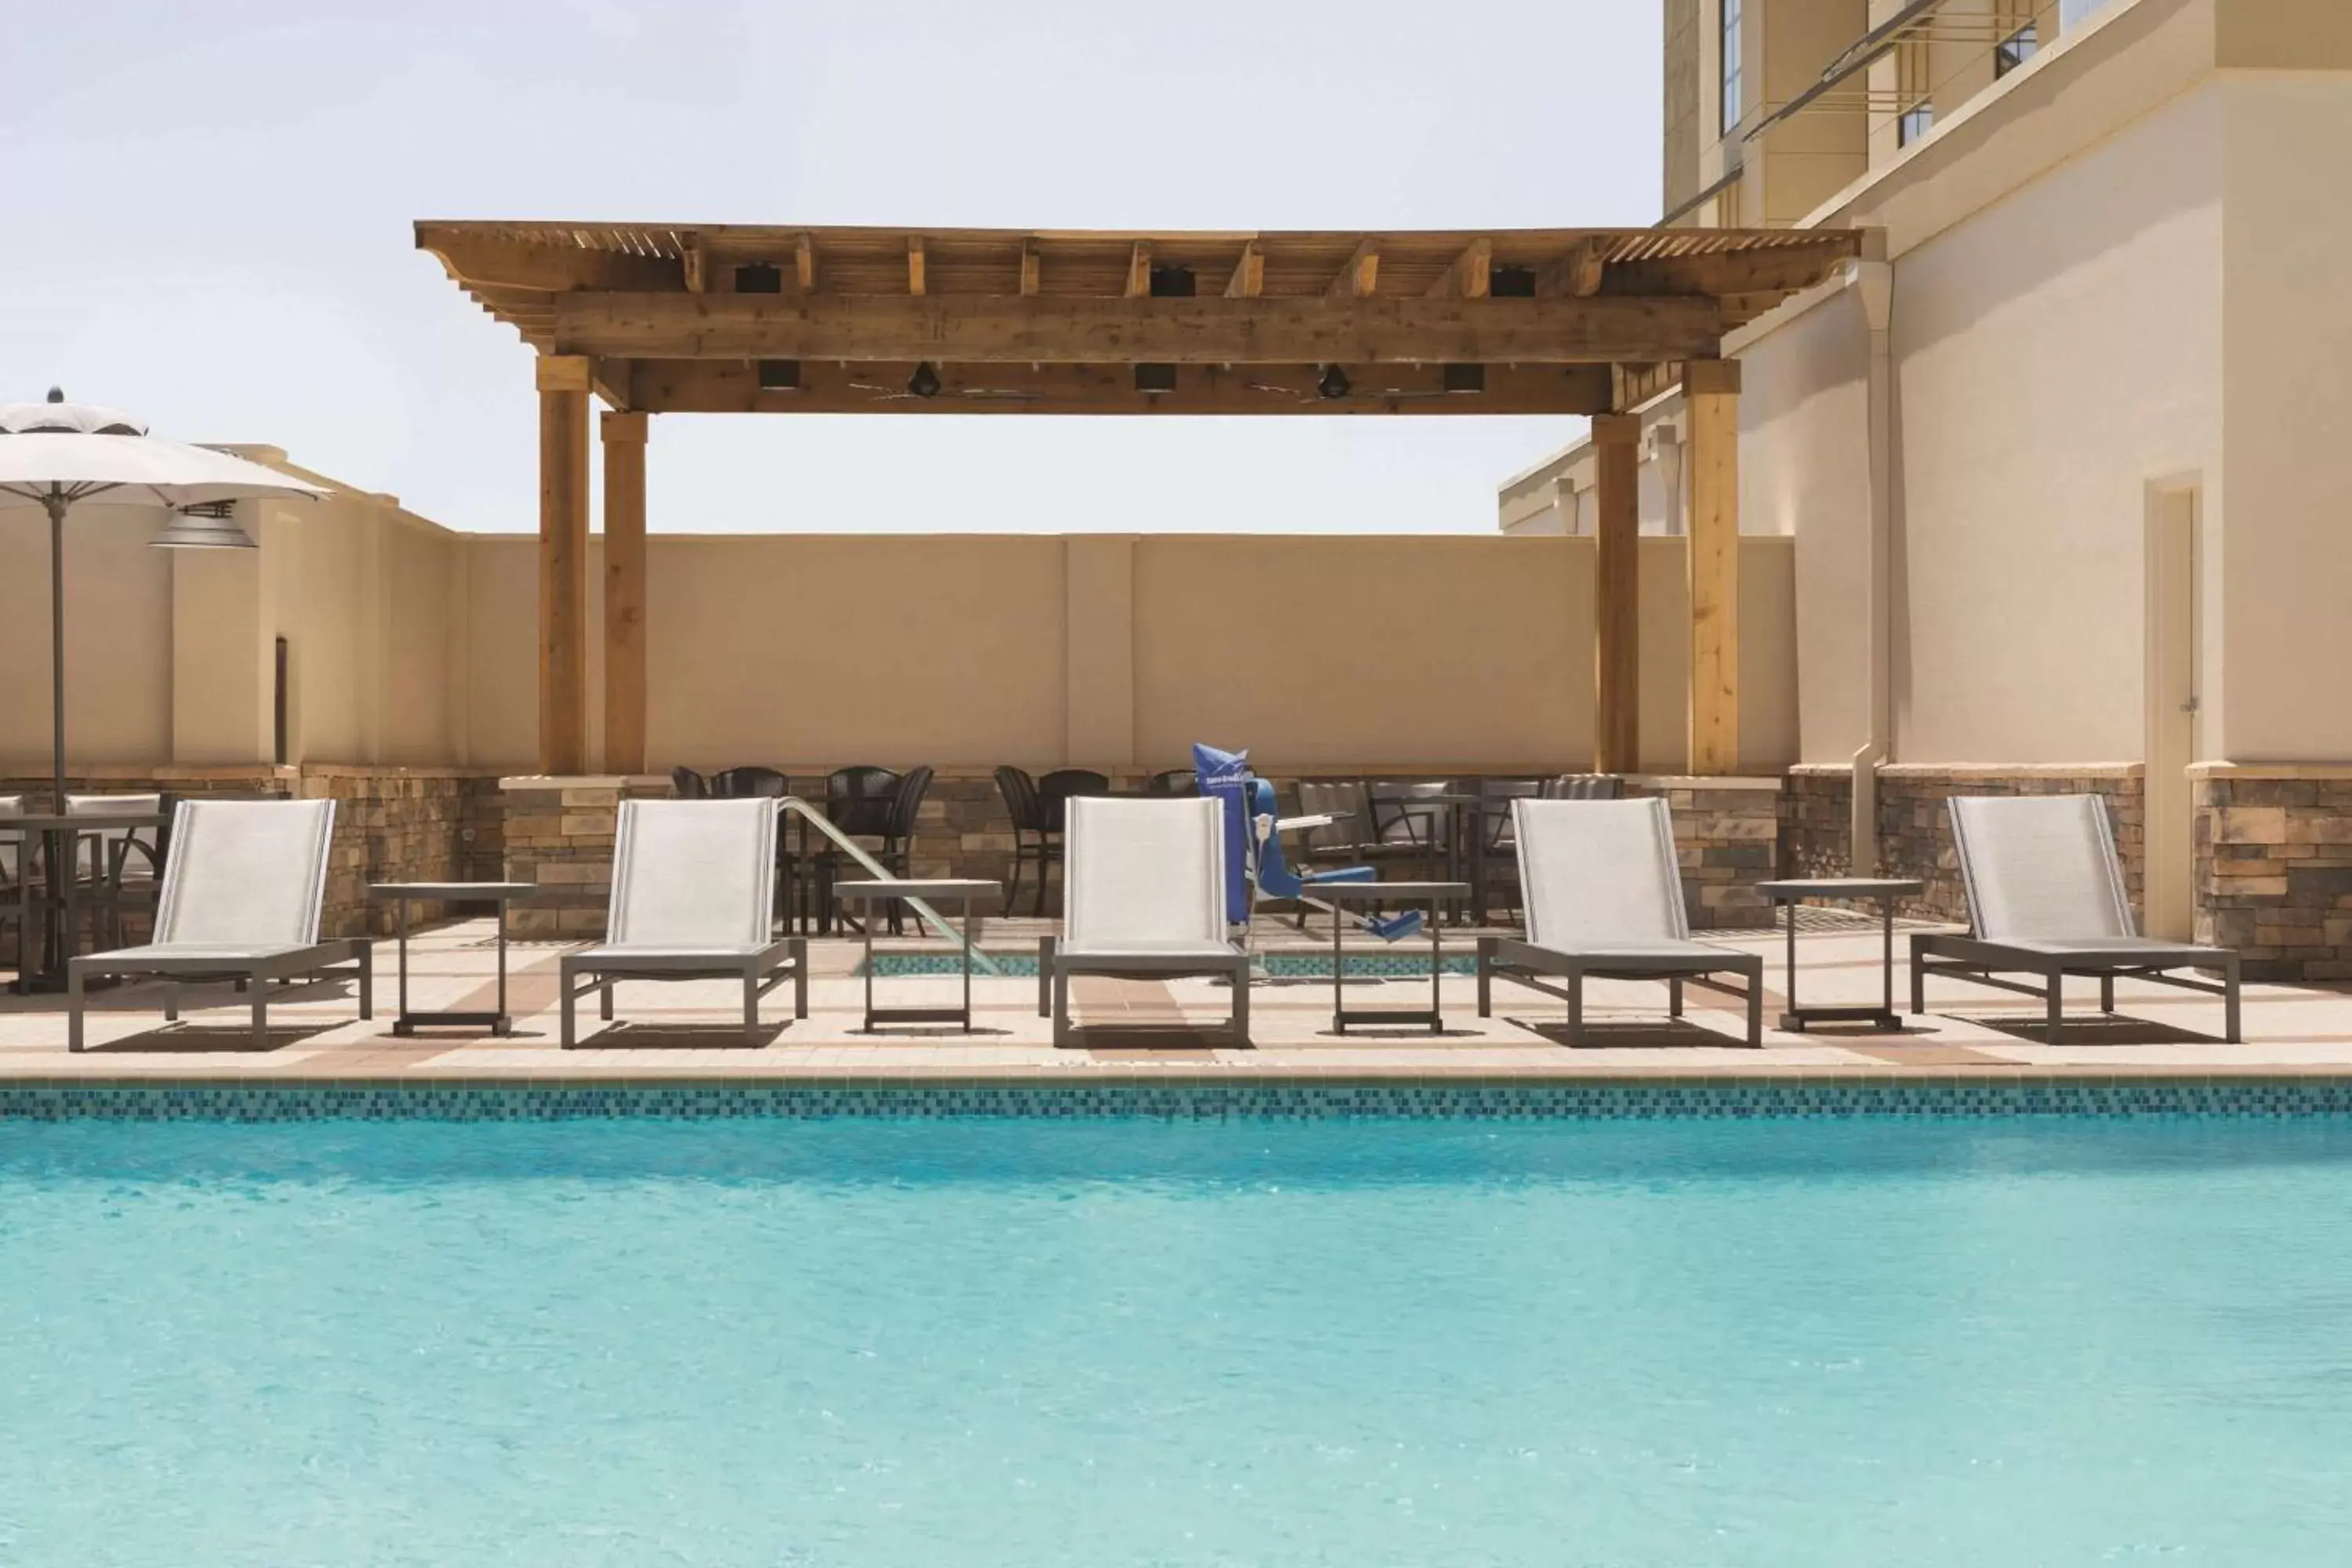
210 210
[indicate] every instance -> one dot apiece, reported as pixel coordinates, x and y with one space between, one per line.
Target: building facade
2064 460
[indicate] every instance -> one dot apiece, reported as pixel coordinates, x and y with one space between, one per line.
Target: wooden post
1711 400
624 593
1617 594
562 564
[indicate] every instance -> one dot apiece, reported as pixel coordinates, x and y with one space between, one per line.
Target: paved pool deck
689 1030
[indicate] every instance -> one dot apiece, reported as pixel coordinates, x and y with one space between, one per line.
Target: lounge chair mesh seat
242 888
693 897
1605 900
2047 897
1144 884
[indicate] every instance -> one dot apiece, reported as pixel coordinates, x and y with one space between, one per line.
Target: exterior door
2172 712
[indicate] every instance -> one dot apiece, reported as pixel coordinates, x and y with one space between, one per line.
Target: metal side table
932 890
1432 896
400 894
1885 889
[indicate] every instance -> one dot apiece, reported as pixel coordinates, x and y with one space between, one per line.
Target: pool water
845 1343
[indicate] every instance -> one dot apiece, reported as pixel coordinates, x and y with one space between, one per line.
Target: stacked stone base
2274 868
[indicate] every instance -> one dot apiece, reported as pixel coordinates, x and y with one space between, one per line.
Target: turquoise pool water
1108 1342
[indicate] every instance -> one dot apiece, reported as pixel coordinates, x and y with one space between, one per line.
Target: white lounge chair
2046 898
1144 894
1605 900
693 897
242 893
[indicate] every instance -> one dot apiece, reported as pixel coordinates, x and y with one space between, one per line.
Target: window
1914 123
2014 51
1732 106
2069 12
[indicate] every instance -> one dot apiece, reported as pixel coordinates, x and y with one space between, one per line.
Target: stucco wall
118 636
2285 621
416 646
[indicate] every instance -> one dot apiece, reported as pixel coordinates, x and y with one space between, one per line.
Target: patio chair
16 882
1146 894
1173 781
1055 792
1605 900
2046 898
1031 841
119 870
242 893
694 895
687 784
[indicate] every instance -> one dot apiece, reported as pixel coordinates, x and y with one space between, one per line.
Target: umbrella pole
54 501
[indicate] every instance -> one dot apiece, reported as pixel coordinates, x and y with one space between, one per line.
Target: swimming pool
1113 1341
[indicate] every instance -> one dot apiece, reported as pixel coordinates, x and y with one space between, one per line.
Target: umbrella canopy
76 451
55 453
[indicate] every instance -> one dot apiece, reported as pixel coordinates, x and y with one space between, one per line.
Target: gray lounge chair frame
693 897
242 888
2047 897
1604 901
1144 894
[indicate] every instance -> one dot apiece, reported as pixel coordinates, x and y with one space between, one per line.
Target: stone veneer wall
1915 830
559 833
1726 834
391 825
2275 867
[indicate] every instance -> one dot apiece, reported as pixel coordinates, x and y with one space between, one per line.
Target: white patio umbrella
55 452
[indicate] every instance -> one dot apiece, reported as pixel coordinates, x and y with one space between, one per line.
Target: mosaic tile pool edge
1490 1100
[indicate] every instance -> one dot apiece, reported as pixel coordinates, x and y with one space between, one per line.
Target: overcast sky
208 209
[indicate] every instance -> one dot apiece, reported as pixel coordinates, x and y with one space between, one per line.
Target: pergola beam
1264 330
915 267
1471 274
731 387
1360 276
1248 280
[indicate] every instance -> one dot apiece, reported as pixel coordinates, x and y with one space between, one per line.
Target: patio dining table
1463 812
56 903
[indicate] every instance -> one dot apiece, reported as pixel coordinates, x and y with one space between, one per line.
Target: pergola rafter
721 318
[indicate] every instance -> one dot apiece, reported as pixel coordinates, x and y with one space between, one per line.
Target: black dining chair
1026 813
1174 782
857 801
1054 792
899 835
687 784
748 783
754 782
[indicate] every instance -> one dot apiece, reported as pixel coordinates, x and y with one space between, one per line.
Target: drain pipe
1872 279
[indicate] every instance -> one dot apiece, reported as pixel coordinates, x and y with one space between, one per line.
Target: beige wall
2052 357
411 645
2285 621
118 638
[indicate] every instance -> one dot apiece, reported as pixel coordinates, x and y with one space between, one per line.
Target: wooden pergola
662 319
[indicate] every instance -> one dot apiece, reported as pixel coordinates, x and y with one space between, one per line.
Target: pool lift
1256 869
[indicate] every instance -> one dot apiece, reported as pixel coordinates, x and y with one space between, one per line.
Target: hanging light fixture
207 525
1335 381
924 381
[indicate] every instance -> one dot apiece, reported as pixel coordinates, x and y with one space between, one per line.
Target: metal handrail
849 847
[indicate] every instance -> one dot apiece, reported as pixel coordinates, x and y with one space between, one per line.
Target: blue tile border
1489 1099
1409 965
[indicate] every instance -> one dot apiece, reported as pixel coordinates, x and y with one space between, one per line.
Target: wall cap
2270 770
1977 769
1703 781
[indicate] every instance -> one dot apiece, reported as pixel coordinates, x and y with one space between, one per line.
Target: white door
2172 712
